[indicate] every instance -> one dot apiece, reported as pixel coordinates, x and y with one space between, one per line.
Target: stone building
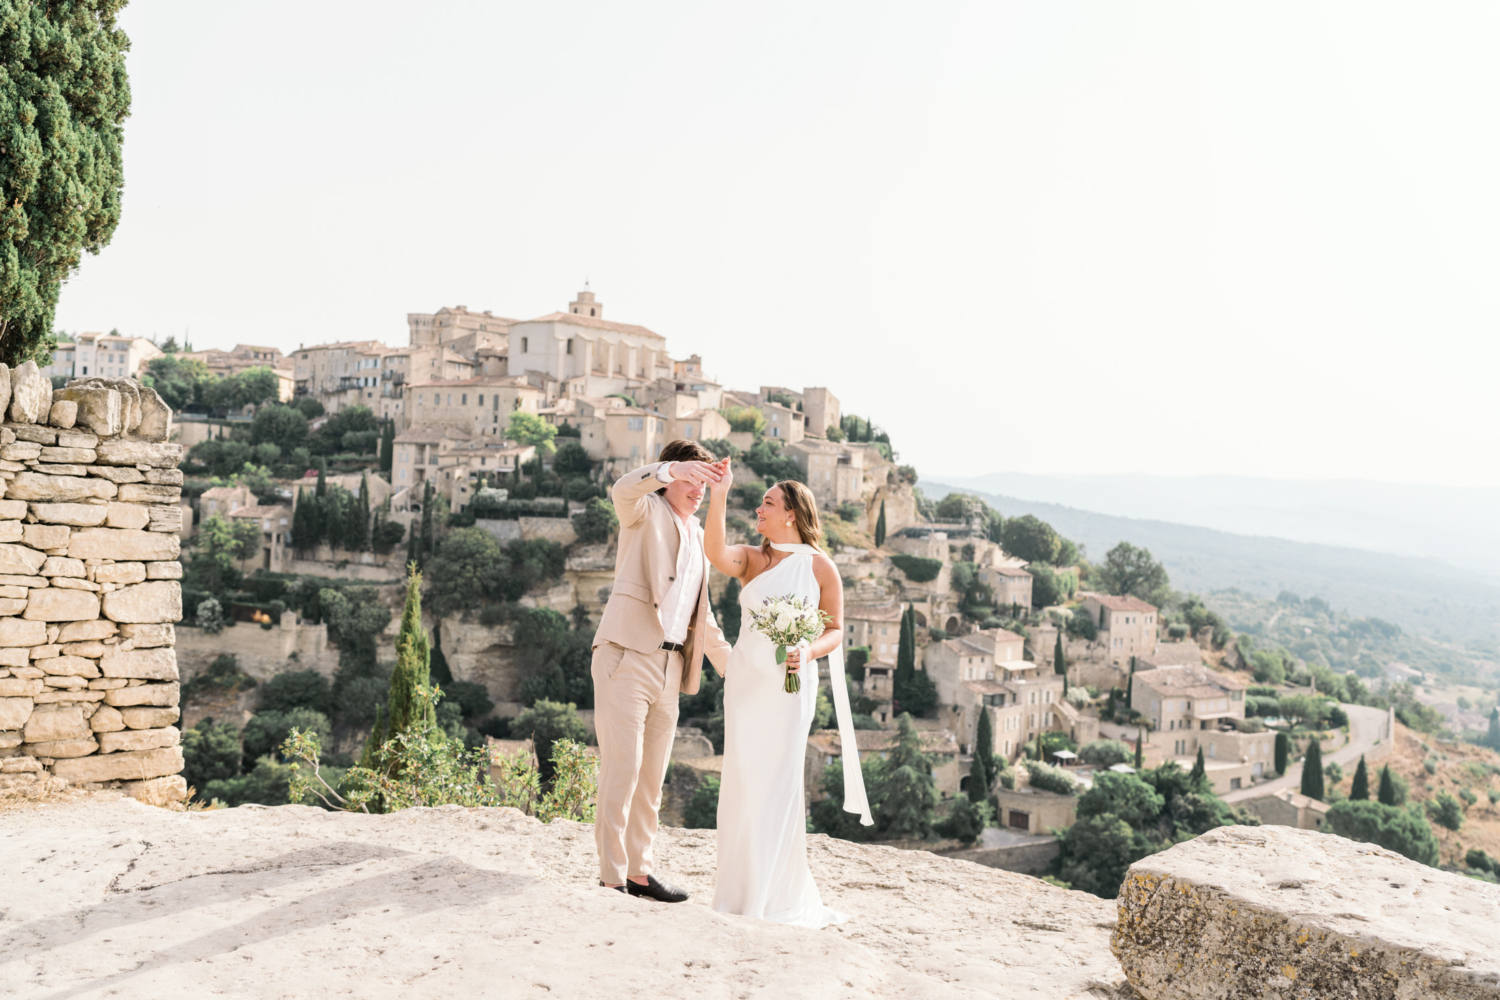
1011 584
834 472
1127 625
467 333
1288 807
95 355
824 747
481 406
876 626
89 585
275 524
581 342
1191 707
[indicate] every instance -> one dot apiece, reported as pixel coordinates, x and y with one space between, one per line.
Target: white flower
783 621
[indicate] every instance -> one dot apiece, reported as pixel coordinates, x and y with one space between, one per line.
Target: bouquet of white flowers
788 621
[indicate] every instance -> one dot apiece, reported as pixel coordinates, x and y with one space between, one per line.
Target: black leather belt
675 647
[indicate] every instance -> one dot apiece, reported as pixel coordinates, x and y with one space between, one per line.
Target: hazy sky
1045 237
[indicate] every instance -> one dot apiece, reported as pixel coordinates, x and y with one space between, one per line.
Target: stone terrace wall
89 585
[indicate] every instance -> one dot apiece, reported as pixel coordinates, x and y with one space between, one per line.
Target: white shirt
681 600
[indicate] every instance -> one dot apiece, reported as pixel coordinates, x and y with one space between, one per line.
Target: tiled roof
1001 635
1011 571
260 510
431 434
480 381
1193 682
1114 603
593 322
986 687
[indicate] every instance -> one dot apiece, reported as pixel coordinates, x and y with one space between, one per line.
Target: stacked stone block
89 585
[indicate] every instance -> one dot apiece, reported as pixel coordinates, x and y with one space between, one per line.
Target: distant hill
1426 596
1454 524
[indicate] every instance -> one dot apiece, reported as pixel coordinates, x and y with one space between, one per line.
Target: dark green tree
411 706
296 689
305 522
266 731
914 691
388 446
905 798
64 97
357 535
1392 827
544 724
906 647
880 526
280 425
984 771
1138 757
598 520
1386 794
702 809
1199 774
1359 788
1312 770
1030 538
1282 752
730 611
1446 810
427 525
1059 662
1492 738
1129 570
178 381
210 752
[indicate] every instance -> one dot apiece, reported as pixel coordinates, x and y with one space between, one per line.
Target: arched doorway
952 627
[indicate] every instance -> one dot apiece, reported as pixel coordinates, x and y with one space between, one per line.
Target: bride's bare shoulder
823 566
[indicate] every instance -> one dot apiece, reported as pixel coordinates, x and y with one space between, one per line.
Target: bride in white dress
762 820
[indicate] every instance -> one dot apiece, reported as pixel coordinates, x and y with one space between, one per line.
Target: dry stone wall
89 585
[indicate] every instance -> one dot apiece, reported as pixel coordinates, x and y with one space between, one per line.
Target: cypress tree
1198 776
358 532
1359 788
427 518
906 649
729 610
981 776
1386 796
1059 664
1492 738
906 796
1312 771
410 706
305 522
880 526
388 446
1138 755
1283 752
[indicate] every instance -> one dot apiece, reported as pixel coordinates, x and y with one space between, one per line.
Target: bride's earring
789 524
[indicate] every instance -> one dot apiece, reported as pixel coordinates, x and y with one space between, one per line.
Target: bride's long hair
804 510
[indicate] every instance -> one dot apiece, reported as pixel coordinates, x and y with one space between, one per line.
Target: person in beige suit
656 629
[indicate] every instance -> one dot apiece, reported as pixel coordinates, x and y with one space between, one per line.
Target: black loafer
616 888
662 892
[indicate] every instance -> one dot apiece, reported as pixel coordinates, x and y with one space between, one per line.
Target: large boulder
1272 911
157 601
99 408
30 394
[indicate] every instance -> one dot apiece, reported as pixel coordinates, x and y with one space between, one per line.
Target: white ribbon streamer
855 800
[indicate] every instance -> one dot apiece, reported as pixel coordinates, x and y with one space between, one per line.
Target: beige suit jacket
645 565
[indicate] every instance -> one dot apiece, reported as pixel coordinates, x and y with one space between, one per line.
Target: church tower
585 305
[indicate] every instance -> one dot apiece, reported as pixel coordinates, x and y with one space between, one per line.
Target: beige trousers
635 718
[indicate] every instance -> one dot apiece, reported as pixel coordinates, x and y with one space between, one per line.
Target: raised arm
631 490
731 560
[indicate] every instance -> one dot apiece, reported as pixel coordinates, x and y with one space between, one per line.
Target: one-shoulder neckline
792 547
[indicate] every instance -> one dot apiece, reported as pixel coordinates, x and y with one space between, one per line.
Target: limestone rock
107 720
91 650
164 571
148 717
118 474
19 632
12 605
37 486
55 722
12 509
4 389
85 631
164 477
36 435
74 696
30 394
21 451
11 531
146 493
64 412
84 456
15 711
157 791
144 636
154 601
97 408
58 605
17 765
157 664
19 560
123 572
61 565
75 666
139 739
1273 911
155 695
9 740
160 456
123 544
155 423
126 515
132 765
83 515
19 687
14 656
165 517
80 747
64 681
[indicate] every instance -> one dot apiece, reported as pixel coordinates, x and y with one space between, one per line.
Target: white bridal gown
763 869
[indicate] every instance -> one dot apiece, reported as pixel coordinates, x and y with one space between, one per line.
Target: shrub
1446 810
1046 778
545 723
210 616
223 676
1105 753
268 730
473 700
1395 828
702 809
269 783
966 820
596 522
298 689
210 752
918 569
1481 861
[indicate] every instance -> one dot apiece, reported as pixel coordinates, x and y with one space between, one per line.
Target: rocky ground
108 897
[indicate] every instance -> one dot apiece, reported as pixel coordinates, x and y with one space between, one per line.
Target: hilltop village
1024 681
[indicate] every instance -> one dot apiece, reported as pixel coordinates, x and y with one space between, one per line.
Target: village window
525 345
570 345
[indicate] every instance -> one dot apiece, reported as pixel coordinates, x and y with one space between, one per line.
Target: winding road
1367 727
